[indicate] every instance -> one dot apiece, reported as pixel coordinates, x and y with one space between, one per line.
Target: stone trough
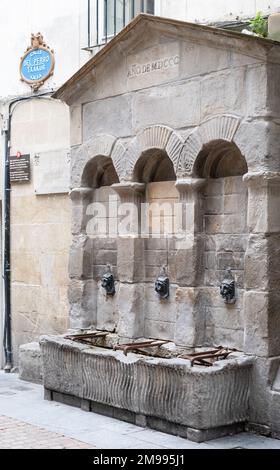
198 403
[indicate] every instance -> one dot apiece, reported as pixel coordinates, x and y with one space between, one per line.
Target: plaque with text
37 64
20 169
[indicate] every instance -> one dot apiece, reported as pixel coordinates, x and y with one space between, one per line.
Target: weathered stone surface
262 270
62 365
263 216
256 323
147 67
190 317
107 309
256 263
81 258
275 415
227 337
257 140
256 77
223 92
273 103
189 265
109 116
30 364
164 104
260 394
130 259
198 59
201 399
157 309
262 323
197 435
159 329
76 125
81 198
83 303
221 242
131 310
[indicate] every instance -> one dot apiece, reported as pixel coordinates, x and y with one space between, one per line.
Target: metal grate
106 18
136 346
87 338
208 358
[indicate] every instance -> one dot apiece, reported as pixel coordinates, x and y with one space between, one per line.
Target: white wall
205 11
63 24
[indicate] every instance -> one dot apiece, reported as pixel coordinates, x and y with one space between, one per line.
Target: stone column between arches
130 260
190 321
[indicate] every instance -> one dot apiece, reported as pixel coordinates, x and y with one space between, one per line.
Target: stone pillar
82 292
190 324
81 198
130 263
262 266
190 247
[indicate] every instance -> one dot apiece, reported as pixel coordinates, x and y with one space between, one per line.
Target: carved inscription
158 64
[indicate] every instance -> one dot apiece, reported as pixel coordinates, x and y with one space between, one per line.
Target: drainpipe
7 342
7 271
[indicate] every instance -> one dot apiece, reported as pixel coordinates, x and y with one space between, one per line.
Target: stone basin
167 394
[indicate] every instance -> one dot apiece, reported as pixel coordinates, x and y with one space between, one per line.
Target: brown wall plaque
20 169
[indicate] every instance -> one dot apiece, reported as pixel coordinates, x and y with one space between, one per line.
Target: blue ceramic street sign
36 65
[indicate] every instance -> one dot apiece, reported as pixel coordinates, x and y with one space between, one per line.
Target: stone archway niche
94 246
225 202
155 169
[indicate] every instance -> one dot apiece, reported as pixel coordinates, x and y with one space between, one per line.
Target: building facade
40 127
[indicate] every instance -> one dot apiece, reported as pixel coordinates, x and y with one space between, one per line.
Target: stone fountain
174 278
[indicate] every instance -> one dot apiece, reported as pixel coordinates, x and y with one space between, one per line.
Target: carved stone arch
157 137
99 146
120 161
220 127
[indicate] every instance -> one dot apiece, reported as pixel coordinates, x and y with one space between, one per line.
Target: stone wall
40 228
226 239
160 317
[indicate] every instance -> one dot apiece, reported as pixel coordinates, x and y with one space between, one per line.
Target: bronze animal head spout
108 283
227 288
162 286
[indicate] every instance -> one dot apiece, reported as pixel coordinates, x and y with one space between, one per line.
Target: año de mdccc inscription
154 66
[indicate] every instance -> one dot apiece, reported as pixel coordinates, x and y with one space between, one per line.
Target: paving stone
15 434
59 426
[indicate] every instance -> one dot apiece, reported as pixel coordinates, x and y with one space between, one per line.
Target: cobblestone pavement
16 434
28 421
